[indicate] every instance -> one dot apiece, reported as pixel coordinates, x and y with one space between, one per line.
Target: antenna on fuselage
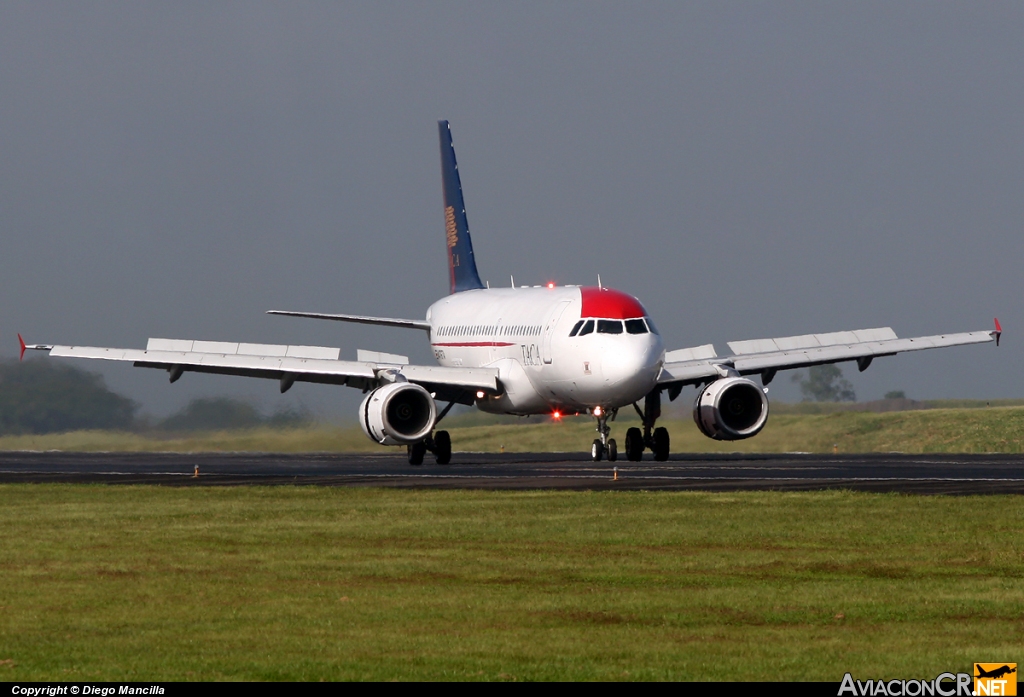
599 286
513 280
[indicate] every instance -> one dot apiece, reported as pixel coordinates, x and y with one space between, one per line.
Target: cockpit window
650 325
609 326
576 329
587 328
636 326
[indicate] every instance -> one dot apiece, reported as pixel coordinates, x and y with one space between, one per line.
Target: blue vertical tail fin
461 264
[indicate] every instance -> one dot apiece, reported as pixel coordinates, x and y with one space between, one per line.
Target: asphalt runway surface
919 474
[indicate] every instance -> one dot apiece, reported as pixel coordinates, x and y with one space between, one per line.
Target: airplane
522 350
995 673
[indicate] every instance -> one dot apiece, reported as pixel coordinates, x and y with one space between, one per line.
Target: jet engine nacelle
398 414
731 409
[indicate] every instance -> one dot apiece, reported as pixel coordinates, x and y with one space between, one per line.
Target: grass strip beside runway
992 430
308 583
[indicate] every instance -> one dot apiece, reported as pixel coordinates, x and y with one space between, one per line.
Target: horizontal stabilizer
359 319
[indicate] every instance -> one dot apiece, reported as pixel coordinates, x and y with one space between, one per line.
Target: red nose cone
606 303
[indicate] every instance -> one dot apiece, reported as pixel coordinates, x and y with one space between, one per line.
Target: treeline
42 396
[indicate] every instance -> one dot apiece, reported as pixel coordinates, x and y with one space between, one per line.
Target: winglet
22 342
998 332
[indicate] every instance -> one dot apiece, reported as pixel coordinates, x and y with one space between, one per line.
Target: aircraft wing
767 356
290 364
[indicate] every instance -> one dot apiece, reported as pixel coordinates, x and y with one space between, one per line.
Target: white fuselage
525 333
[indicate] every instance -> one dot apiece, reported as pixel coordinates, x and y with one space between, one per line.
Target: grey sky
747 170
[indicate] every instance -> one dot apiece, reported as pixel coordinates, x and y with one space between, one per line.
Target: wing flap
809 341
265 363
769 355
752 363
470 378
242 349
275 361
364 356
689 372
691 354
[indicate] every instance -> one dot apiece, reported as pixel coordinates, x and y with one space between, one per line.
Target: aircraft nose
633 362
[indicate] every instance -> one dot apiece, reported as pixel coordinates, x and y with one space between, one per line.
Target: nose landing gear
604 446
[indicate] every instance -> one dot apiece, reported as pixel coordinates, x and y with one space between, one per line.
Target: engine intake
731 409
398 414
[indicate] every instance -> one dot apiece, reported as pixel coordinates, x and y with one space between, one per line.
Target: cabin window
636 326
609 326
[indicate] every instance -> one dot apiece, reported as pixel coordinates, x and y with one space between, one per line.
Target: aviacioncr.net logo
943 685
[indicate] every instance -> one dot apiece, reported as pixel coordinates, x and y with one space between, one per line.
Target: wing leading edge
290 364
767 356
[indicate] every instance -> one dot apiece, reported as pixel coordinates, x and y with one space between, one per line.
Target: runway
919 474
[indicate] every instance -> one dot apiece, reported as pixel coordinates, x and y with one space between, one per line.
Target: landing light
480 394
598 411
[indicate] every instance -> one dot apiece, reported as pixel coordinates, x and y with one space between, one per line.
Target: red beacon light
551 284
556 415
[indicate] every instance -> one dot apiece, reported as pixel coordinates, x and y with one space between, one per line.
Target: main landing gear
440 443
654 438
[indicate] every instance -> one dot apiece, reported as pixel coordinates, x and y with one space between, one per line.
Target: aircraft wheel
443 447
596 450
613 450
661 444
416 452
634 445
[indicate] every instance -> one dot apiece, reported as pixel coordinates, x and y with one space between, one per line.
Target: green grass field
962 430
310 583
